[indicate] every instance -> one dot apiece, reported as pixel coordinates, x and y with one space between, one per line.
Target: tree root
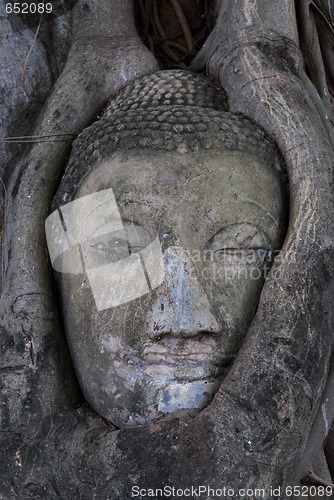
183 23
173 47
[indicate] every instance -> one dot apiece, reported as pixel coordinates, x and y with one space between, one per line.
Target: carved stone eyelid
239 237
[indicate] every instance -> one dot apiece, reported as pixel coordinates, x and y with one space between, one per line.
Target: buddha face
218 218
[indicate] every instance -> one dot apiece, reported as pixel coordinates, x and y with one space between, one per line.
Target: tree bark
256 430
256 57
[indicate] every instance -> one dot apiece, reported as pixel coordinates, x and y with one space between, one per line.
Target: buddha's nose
181 308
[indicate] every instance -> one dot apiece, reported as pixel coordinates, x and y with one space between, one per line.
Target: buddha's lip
190 352
184 359
182 371
165 364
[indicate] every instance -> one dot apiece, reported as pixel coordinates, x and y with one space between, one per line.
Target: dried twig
26 63
3 222
39 138
319 480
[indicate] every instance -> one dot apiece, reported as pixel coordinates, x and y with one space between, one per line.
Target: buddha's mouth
155 354
184 360
187 372
191 351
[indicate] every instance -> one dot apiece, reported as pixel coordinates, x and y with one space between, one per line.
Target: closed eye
238 249
135 249
260 253
240 240
110 245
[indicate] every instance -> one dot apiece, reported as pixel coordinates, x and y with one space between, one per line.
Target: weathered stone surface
218 210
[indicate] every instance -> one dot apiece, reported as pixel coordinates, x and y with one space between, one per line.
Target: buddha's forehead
205 189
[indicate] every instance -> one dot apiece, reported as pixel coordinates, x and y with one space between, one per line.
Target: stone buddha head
181 208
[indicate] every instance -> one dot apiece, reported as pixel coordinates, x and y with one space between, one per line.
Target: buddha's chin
187 395
162 399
